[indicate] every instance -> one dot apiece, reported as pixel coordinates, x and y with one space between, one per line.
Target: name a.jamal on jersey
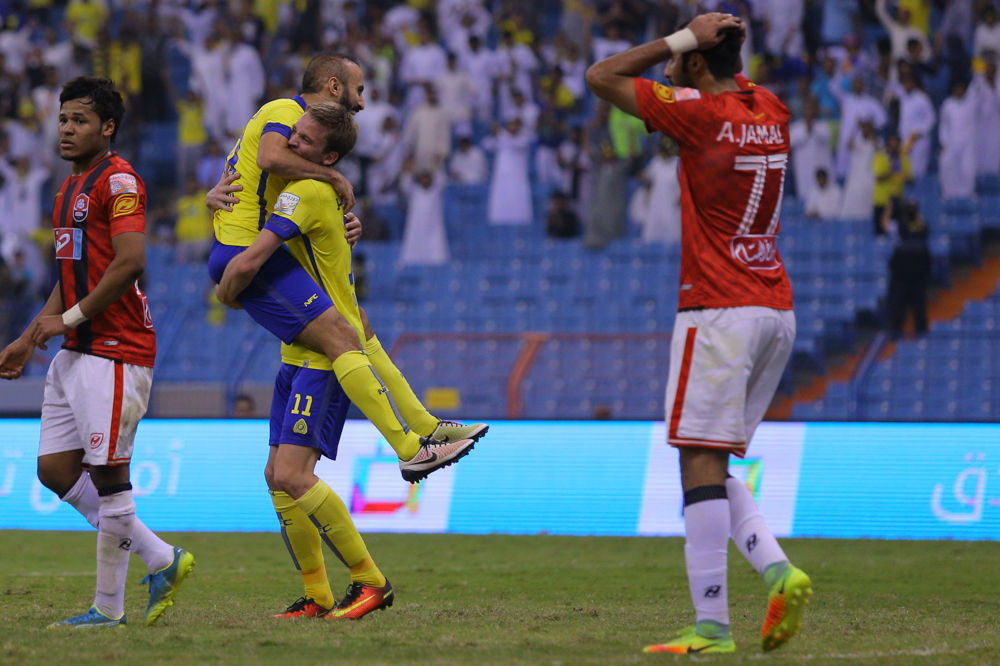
765 134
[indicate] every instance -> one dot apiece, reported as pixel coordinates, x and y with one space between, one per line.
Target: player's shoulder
120 177
280 107
674 94
302 195
767 98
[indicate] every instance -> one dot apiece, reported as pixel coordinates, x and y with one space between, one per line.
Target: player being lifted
98 385
291 305
735 327
309 405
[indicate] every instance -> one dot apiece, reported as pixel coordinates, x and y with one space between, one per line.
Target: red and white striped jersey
91 208
733 154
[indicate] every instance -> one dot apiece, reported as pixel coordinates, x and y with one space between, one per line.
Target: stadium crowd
490 95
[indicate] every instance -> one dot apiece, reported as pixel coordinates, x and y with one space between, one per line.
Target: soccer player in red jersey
97 387
735 327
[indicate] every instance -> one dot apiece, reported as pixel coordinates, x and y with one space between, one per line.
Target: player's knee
288 479
269 477
56 478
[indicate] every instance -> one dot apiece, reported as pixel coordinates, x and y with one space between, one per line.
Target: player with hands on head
735 327
97 387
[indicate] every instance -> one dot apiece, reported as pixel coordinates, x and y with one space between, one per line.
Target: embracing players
286 295
97 387
735 327
291 305
309 405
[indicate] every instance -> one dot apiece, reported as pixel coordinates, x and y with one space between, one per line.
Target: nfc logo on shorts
96 439
756 252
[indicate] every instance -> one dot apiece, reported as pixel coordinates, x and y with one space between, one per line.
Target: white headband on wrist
74 316
681 41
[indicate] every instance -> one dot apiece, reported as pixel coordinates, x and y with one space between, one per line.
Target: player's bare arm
221 196
613 79
352 229
123 271
241 270
274 156
18 353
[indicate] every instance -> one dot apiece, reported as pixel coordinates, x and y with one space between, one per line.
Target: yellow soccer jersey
241 226
309 215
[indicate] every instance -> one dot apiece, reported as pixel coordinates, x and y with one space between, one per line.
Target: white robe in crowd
484 67
370 124
527 113
517 63
421 64
854 110
456 92
469 167
825 203
21 203
454 26
389 154
574 76
957 135
510 189
917 116
399 24
425 240
859 189
428 135
605 48
208 79
662 220
246 85
784 21
810 151
987 97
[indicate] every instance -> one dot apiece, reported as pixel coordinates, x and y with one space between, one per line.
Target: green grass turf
505 600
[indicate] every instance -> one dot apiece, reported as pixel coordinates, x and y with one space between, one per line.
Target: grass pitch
504 600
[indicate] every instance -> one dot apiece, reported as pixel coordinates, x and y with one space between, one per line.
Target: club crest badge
80 208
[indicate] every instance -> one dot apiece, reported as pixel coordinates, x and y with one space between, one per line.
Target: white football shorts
725 365
94 404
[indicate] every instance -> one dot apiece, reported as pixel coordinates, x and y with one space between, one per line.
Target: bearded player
98 385
735 326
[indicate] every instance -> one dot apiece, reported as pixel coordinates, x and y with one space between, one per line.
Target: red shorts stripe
738 450
675 416
116 410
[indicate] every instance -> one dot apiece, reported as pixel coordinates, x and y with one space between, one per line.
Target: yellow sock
367 573
305 547
317 586
365 389
414 413
333 523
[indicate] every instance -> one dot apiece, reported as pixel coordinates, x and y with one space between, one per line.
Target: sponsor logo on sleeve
80 208
686 94
125 204
663 93
123 183
286 204
69 244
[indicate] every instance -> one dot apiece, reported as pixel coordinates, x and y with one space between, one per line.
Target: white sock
749 531
114 544
154 552
706 522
